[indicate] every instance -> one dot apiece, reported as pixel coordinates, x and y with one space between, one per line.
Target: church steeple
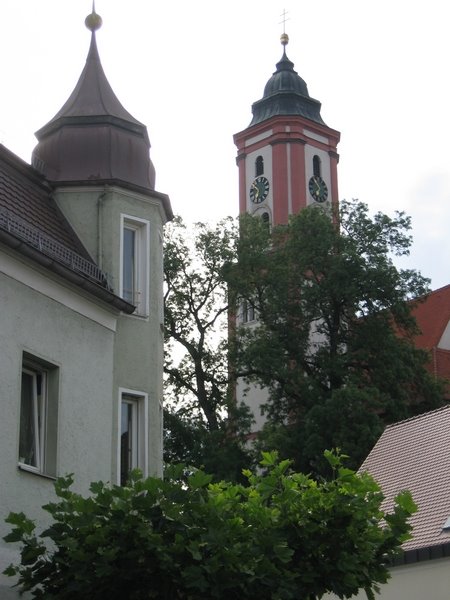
287 156
93 137
286 93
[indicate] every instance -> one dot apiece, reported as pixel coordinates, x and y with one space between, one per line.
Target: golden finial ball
93 21
284 39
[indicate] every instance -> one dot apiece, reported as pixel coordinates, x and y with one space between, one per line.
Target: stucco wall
96 352
96 215
419 581
82 350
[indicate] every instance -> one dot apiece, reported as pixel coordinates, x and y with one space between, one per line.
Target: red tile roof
414 455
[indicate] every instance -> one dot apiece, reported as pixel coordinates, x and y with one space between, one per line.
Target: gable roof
414 455
32 224
24 194
432 316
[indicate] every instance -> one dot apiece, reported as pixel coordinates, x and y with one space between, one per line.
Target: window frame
317 166
139 453
248 311
259 165
139 295
44 416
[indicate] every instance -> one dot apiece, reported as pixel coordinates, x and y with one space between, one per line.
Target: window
259 166
135 263
133 445
38 416
248 311
265 218
129 264
316 166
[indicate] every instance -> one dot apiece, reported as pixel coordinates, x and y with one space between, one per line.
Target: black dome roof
286 93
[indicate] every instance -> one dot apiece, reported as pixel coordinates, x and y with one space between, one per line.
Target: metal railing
30 234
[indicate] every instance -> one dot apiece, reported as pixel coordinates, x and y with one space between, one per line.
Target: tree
281 536
334 341
202 426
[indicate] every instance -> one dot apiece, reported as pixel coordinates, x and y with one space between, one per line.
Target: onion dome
286 93
93 138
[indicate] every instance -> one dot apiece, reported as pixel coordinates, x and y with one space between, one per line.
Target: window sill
33 471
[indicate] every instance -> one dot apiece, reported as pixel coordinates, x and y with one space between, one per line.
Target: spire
87 138
286 93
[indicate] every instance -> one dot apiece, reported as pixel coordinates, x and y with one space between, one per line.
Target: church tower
287 160
287 156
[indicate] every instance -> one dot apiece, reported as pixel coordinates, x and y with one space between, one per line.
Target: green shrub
282 536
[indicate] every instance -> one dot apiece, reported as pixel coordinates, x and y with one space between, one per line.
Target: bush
284 535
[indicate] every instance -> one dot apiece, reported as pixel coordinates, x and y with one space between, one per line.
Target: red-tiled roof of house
414 455
432 315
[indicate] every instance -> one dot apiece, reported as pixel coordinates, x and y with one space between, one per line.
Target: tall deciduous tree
202 426
333 343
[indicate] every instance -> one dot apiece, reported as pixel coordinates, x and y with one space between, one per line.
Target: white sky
191 70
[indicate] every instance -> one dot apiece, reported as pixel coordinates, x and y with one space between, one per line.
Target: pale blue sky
191 70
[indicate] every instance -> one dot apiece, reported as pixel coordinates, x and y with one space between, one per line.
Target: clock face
259 190
318 188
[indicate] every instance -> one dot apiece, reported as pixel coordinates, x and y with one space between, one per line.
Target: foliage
202 427
282 536
334 338
222 452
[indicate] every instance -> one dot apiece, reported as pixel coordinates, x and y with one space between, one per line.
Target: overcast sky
191 70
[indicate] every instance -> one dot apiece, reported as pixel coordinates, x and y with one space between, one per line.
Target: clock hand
318 187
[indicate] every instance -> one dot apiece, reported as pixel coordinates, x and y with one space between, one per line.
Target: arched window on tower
259 166
316 166
265 218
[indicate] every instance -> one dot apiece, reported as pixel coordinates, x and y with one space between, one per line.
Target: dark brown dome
93 137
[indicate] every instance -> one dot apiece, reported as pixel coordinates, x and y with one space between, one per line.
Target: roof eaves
164 198
421 554
56 266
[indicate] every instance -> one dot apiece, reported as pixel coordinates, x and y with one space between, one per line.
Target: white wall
83 351
444 342
427 580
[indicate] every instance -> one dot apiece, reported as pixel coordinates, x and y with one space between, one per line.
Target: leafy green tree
334 340
281 536
202 426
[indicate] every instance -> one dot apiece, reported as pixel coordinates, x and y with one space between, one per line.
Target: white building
81 315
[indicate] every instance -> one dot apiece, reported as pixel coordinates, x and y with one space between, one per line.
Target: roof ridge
430 412
441 288
429 293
